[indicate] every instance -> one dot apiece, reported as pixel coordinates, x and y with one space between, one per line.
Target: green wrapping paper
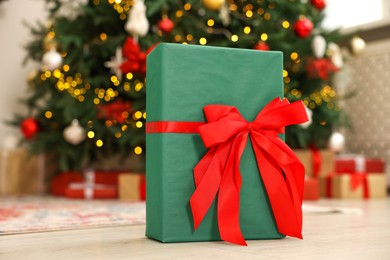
181 80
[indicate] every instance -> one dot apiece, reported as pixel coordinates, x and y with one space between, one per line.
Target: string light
129 75
126 86
187 6
294 56
91 134
203 41
260 11
233 7
137 115
48 114
137 150
249 13
264 37
179 13
285 24
103 36
189 37
118 135
247 30
99 143
139 124
234 38
267 16
285 73
178 38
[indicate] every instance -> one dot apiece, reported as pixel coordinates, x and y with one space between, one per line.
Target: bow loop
278 116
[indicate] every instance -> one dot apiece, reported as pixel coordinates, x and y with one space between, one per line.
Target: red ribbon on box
226 133
317 161
356 180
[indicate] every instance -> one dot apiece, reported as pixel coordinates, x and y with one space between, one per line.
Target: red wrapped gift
316 162
358 163
91 191
312 189
60 183
102 177
353 185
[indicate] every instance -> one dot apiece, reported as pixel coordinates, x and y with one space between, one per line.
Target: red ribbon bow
226 134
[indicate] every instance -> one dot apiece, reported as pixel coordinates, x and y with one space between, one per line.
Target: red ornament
321 68
303 27
261 46
319 4
115 111
166 25
136 59
29 128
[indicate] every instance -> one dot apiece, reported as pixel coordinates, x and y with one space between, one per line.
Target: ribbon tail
284 196
207 175
229 195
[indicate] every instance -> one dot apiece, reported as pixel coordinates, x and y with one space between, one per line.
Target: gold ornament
214 5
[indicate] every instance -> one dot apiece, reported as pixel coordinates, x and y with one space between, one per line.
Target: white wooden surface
360 233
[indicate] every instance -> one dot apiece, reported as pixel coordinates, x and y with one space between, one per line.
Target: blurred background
347 40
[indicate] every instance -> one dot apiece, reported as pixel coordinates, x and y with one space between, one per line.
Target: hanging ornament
115 63
334 52
69 9
213 5
137 23
29 128
52 59
357 45
115 111
261 46
74 133
166 25
336 142
320 68
318 46
309 113
135 58
224 14
303 27
319 4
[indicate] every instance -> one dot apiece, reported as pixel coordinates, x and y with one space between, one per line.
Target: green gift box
181 80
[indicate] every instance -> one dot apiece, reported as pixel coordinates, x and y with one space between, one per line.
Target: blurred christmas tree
87 100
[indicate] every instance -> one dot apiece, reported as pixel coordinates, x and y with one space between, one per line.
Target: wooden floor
361 232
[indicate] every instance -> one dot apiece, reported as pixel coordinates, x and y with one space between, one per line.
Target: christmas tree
87 99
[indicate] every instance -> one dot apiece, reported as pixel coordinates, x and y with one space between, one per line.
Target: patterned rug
39 214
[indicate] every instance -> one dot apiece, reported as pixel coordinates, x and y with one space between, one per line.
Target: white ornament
137 23
357 45
74 133
224 14
318 46
52 59
334 52
70 9
309 116
337 142
115 63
